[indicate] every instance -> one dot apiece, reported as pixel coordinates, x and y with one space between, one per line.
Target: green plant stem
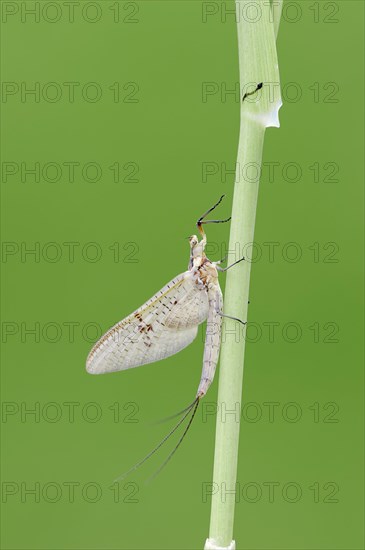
258 63
277 8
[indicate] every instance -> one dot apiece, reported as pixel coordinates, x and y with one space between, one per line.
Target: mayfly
167 323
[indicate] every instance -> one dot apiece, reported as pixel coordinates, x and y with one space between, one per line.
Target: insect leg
258 87
200 221
221 261
228 266
218 310
211 209
230 317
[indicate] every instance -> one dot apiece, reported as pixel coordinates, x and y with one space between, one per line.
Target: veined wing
163 326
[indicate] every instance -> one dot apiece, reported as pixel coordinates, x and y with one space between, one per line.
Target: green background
314 441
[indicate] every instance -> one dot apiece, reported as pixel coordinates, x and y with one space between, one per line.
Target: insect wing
163 326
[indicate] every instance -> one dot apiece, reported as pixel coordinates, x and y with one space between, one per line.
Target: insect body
169 321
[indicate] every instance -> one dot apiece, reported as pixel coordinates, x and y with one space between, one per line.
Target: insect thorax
206 271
